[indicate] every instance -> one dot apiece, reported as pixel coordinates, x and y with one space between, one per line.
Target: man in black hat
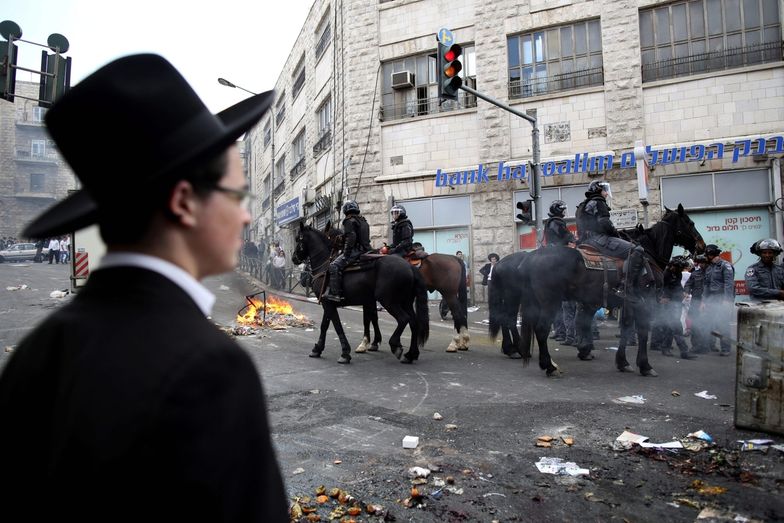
718 296
128 404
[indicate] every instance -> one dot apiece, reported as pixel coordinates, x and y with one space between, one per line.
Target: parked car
21 252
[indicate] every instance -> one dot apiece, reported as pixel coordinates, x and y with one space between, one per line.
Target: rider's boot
629 289
335 285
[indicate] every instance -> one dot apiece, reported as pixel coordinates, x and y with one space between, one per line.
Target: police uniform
556 232
694 287
718 299
356 240
402 236
765 282
597 230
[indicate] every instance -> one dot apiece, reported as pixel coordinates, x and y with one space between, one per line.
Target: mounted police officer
555 230
356 240
597 230
402 231
765 279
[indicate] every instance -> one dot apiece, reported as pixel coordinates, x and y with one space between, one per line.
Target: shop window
734 188
699 36
416 93
557 59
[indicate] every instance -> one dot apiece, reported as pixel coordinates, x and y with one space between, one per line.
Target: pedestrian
39 248
279 269
765 279
54 250
128 404
487 272
63 248
718 298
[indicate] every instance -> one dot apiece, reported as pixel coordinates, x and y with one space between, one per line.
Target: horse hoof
344 360
553 373
462 348
373 348
398 352
514 355
360 350
625 368
649 373
315 354
407 360
451 349
585 357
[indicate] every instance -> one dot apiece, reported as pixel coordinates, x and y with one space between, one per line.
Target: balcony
323 143
540 85
425 106
26 155
713 61
298 168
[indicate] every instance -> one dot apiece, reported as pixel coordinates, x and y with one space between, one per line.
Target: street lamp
226 83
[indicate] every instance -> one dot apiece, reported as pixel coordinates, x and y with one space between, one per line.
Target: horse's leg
376 331
643 327
345 348
318 348
585 314
627 322
394 340
462 338
542 330
363 347
413 349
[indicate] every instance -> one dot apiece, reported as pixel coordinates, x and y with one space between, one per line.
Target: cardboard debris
545 438
568 440
717 515
545 444
631 437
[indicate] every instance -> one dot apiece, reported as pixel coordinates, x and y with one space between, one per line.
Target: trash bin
759 384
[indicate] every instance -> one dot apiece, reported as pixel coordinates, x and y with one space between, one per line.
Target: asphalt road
342 426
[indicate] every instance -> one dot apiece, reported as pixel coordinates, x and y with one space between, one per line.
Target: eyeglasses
242 196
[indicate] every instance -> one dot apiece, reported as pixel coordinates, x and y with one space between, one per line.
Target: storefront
441 225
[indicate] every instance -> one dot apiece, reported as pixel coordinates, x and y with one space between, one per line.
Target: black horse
504 300
390 280
553 274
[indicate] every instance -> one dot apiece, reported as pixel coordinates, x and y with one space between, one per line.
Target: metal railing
713 61
27 154
425 106
556 83
298 168
323 142
323 41
289 280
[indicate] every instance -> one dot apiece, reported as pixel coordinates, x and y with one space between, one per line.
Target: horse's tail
422 313
462 294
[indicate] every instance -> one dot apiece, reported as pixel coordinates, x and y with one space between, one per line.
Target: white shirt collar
204 298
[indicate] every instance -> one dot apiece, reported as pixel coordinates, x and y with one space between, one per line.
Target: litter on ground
559 467
704 394
635 400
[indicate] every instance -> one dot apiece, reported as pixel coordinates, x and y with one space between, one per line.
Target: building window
298 155
38 114
325 34
266 190
324 117
409 86
38 148
700 36
267 133
37 182
298 78
556 59
280 110
717 189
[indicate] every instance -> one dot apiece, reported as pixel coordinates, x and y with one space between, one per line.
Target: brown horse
446 274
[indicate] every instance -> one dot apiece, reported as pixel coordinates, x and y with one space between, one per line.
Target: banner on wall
734 231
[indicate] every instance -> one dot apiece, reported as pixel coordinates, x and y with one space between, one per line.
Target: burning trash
268 312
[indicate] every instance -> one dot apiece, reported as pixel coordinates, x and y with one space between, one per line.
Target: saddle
596 261
365 262
415 257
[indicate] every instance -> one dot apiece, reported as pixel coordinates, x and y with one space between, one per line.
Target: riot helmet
350 207
712 250
597 186
768 244
557 208
398 211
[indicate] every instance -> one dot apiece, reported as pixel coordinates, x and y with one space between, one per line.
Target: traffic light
53 87
8 54
449 67
526 212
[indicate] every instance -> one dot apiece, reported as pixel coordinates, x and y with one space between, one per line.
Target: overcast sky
244 41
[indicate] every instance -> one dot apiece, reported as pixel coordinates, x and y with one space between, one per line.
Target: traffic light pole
534 182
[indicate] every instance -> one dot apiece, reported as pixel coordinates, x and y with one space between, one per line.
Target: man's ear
182 203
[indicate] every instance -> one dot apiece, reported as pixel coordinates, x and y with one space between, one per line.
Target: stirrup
333 297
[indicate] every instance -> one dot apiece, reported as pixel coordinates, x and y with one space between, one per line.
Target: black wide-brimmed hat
132 123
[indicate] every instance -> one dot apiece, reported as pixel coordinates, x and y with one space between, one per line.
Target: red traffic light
450 55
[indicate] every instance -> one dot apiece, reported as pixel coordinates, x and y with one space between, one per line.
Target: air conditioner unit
402 80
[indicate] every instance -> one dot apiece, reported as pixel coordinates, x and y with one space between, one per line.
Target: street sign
445 36
624 218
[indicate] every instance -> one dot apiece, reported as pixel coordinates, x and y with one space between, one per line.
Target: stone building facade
700 83
33 176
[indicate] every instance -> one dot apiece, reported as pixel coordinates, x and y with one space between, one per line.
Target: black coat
129 405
